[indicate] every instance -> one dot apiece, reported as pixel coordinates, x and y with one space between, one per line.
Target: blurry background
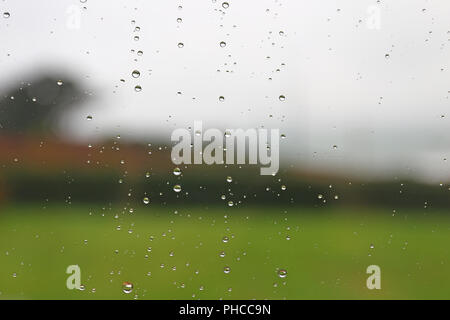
90 92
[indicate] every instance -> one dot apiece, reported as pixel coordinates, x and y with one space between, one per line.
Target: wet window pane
224 150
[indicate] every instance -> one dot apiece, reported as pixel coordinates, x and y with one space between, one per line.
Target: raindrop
177 171
229 179
180 45
136 74
221 98
59 83
226 270
127 287
282 273
146 200
6 15
138 88
223 44
177 188
225 5
282 98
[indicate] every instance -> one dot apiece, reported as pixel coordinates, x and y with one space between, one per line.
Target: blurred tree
33 107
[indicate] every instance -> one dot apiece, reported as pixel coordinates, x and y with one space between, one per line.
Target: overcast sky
371 78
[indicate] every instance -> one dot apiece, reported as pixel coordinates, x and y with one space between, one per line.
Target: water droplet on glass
146 200
6 15
180 45
282 273
138 88
177 171
282 98
127 287
226 270
225 5
135 74
177 188
229 179
223 44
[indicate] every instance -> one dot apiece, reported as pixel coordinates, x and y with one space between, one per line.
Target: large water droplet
136 74
127 287
282 273
177 171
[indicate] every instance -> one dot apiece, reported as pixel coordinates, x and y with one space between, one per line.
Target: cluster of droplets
135 74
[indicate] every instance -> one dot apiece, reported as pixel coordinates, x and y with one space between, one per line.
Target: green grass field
326 256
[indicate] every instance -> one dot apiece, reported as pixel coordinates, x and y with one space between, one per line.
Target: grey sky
387 116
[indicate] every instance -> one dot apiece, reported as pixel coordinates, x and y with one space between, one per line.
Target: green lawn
326 256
